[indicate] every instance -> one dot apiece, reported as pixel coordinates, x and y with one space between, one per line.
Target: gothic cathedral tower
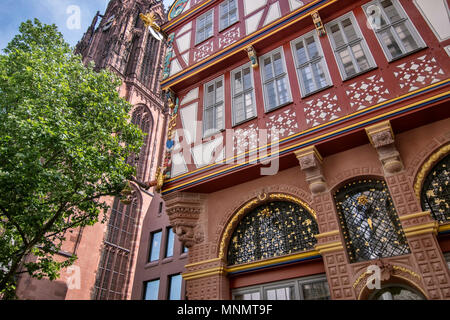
107 253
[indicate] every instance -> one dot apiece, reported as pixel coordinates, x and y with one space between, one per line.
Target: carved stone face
381 139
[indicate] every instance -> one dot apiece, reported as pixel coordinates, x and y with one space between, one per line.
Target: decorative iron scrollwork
370 224
273 229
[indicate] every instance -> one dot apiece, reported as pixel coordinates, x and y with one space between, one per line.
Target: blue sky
13 12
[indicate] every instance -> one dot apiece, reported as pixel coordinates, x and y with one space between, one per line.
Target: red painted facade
406 99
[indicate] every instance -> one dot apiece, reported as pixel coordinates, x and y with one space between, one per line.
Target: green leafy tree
65 137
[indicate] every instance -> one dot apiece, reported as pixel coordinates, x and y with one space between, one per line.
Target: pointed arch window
142 118
435 195
369 221
274 229
115 264
148 67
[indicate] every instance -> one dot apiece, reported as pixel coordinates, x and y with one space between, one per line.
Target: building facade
107 255
308 147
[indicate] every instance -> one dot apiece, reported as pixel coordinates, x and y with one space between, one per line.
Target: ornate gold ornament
149 20
250 205
252 56
318 24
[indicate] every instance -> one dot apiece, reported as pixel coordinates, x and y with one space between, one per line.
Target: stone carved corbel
184 211
381 137
310 162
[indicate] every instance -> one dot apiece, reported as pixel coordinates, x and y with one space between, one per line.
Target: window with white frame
275 80
311 66
205 27
394 30
244 106
305 288
350 48
228 13
213 107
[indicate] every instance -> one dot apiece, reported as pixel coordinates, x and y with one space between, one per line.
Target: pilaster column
310 162
184 210
419 227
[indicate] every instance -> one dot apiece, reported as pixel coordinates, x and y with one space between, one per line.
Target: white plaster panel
204 154
251 24
189 120
253 5
273 14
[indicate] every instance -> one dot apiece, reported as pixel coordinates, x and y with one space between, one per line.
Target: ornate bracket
252 56
381 137
318 24
184 210
310 162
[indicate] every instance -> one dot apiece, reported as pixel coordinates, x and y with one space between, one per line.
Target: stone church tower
107 253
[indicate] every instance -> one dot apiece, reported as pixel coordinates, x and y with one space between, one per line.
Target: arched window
273 229
369 222
142 118
435 194
114 268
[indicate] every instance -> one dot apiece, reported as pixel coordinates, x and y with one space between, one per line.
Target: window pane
349 30
337 35
307 79
219 117
278 64
237 82
247 79
170 242
316 291
390 10
209 118
360 57
282 91
219 91
156 245
151 290
319 75
175 287
239 113
301 53
391 44
281 294
405 36
271 95
312 48
210 96
347 63
248 296
249 105
268 68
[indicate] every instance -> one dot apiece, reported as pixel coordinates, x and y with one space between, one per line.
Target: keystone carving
381 137
184 210
310 162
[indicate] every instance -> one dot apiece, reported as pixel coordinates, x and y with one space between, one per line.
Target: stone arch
252 200
142 116
391 275
418 167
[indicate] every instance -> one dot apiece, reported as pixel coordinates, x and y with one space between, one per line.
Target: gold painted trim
427 166
443 228
431 227
201 262
251 204
326 234
349 127
415 215
273 261
328 247
203 273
